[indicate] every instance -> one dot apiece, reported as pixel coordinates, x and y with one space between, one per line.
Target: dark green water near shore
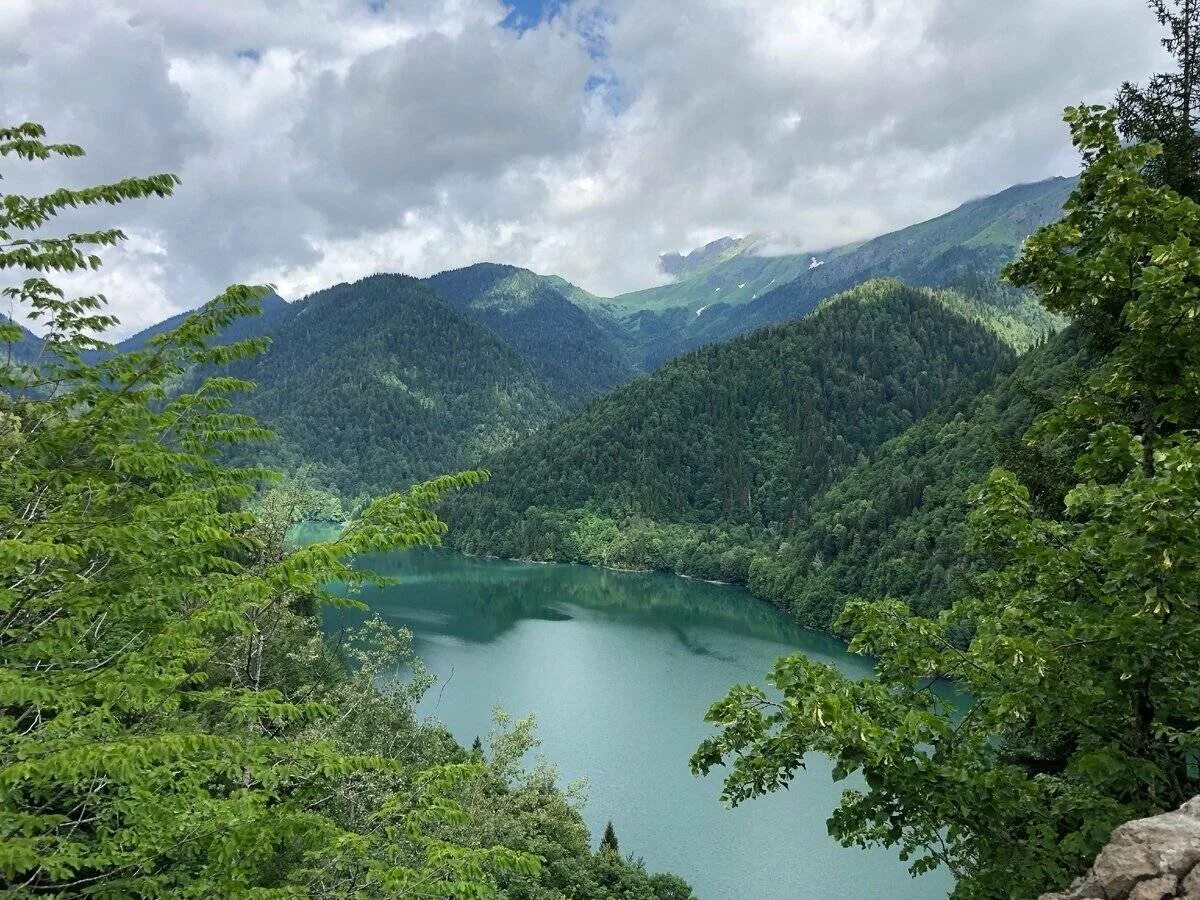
619 668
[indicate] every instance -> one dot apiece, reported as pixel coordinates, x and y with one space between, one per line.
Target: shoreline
644 570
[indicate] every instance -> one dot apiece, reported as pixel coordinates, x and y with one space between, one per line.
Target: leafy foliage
273 310
1081 668
172 721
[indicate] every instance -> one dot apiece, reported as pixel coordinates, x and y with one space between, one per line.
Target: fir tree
608 843
1167 109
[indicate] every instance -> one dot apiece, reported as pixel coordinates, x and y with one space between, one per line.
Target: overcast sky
322 140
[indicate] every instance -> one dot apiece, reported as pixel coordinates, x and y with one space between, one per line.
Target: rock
1123 863
1161 888
1081 889
1156 858
1172 839
1189 888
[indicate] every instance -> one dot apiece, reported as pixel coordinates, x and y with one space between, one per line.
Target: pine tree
1167 109
608 843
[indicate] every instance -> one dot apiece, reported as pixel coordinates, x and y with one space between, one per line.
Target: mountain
895 524
25 349
575 357
380 383
733 289
275 310
723 451
705 258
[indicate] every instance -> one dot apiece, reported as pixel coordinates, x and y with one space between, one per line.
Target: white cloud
321 140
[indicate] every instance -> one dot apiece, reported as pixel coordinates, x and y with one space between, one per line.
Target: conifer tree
1167 109
608 843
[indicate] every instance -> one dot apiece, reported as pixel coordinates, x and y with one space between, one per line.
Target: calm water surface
619 668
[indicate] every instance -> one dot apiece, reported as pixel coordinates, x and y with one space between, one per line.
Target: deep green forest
575 357
379 384
895 525
720 455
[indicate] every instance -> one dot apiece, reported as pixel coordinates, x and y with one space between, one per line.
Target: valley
632 451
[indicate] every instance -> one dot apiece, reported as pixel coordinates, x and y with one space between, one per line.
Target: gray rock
1172 839
1123 863
1189 888
1161 888
1156 858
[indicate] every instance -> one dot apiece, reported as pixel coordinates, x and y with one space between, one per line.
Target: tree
1167 109
147 747
608 843
1079 678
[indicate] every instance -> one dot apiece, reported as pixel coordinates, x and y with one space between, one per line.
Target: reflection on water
619 669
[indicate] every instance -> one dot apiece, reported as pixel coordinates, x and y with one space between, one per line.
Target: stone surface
1157 858
1160 888
1123 863
1189 888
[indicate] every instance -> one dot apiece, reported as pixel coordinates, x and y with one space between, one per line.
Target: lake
618 669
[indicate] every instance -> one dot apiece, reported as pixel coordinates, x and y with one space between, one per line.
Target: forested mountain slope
895 524
739 436
573 355
275 311
379 383
25 349
807 516
744 291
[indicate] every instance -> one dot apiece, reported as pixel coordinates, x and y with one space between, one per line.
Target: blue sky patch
526 14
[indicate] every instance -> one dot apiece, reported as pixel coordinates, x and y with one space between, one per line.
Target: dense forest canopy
379 384
701 452
575 356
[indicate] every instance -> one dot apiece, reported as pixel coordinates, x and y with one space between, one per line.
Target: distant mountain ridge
24 350
711 254
734 290
545 347
379 383
274 311
573 355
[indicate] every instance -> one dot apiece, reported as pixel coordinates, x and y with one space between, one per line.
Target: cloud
321 140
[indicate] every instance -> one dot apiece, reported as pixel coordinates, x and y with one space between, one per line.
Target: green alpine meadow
585 449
